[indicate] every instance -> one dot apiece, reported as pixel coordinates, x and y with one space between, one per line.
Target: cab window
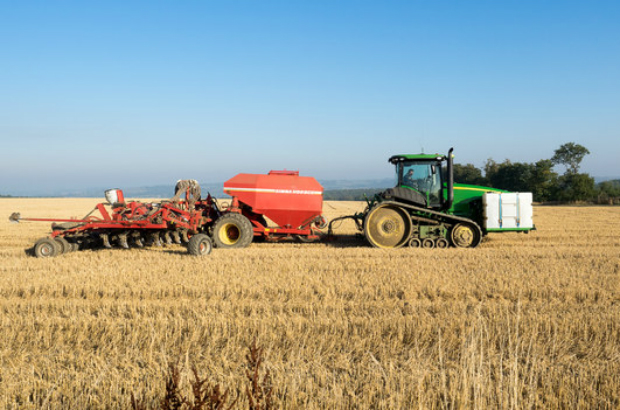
424 177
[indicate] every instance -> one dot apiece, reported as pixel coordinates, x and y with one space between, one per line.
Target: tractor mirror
433 169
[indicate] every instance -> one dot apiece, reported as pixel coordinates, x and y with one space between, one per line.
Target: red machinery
128 223
294 203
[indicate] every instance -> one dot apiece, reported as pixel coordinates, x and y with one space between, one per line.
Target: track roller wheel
387 226
442 243
232 231
415 243
428 243
46 248
465 235
199 245
63 245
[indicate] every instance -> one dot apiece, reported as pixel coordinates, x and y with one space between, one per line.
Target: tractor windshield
424 177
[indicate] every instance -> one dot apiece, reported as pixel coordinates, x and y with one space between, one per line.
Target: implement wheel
387 227
232 231
63 245
199 245
46 248
465 235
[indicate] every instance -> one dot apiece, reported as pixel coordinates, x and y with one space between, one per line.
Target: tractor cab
422 179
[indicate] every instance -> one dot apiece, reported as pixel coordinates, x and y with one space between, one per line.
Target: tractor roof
416 157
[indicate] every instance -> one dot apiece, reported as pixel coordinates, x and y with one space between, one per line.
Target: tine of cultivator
167 239
122 241
106 240
155 241
138 241
15 217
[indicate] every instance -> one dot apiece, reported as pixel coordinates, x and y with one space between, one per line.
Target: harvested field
523 321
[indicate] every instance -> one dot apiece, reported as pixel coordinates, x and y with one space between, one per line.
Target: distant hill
598 180
357 184
359 194
352 187
338 189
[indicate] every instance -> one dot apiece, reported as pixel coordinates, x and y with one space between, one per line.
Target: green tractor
427 209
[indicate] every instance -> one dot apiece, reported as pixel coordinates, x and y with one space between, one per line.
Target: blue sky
119 94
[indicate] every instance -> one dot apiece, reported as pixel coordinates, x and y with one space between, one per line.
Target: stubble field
523 321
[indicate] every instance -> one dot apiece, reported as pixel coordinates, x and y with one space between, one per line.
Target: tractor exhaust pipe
450 200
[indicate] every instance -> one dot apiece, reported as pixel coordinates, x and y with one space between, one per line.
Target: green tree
537 178
490 168
509 176
543 180
570 155
608 191
611 188
468 174
575 187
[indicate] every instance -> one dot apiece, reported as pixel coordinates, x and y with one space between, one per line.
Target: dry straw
523 321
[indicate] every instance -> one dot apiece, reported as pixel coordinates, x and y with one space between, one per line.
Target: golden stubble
521 321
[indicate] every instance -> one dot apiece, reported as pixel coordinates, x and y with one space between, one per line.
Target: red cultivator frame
293 202
134 223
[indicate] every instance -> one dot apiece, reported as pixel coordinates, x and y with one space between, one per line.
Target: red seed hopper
293 202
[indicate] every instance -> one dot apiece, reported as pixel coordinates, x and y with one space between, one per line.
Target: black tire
387 226
46 248
232 231
199 245
465 235
63 244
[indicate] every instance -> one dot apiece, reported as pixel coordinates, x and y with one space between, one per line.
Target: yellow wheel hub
229 233
464 236
387 227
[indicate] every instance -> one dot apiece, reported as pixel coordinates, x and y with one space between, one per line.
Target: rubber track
441 217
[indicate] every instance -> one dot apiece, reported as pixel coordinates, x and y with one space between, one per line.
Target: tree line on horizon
539 177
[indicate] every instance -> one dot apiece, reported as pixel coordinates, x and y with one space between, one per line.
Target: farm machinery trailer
291 201
426 208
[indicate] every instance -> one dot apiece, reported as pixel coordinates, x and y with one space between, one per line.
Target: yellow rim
229 234
463 236
387 228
